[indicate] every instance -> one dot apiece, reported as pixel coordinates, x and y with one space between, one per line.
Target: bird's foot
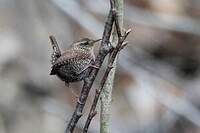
94 66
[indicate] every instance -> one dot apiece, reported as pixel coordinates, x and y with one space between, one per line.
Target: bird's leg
94 66
88 67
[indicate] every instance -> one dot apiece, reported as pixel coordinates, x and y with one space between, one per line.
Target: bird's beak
94 41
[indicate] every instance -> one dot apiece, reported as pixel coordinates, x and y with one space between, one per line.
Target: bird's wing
76 60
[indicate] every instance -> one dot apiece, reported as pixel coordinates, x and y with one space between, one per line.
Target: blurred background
157 84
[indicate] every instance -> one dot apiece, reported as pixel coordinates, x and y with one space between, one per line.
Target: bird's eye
84 43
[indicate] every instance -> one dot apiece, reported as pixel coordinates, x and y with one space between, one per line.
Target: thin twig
104 50
119 46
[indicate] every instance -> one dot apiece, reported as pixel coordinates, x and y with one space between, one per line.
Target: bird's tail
56 50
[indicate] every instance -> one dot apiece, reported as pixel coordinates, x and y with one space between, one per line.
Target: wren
73 64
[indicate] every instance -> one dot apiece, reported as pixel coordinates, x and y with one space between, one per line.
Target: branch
104 50
106 94
119 46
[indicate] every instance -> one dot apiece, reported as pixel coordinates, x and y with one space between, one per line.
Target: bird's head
85 43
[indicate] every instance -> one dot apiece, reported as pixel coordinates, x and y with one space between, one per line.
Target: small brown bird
73 64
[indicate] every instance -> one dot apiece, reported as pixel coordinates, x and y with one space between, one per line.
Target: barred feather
56 50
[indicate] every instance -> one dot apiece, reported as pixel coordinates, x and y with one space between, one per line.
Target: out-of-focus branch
81 16
178 104
176 23
183 23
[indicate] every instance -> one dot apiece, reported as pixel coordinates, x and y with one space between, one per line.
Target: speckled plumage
73 64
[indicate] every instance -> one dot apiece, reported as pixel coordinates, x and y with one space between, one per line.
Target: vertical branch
106 95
